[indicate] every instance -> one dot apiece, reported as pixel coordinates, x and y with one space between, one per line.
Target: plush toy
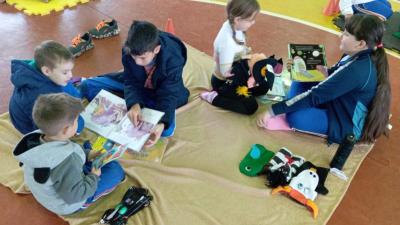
252 76
302 189
255 160
281 168
305 186
322 173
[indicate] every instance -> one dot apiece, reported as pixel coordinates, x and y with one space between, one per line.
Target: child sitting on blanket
57 171
153 64
355 97
230 43
49 72
252 76
379 8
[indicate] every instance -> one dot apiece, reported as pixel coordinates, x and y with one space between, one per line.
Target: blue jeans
111 82
111 175
314 120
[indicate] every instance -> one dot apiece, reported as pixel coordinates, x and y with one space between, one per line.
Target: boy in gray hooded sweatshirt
58 171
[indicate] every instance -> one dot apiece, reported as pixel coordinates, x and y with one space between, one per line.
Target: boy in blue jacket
49 72
59 172
153 63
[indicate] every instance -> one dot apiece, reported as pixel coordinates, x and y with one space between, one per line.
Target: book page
104 113
135 137
278 88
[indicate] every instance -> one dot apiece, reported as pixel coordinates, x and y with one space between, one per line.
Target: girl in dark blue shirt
355 97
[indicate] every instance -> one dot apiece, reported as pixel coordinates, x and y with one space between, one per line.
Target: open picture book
306 57
106 115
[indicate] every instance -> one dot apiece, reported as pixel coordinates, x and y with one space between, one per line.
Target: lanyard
147 83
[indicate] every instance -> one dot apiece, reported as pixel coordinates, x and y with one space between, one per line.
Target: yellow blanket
198 181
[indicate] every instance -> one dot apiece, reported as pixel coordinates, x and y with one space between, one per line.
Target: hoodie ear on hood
41 175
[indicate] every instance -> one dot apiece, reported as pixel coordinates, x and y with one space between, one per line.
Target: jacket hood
25 75
173 51
30 151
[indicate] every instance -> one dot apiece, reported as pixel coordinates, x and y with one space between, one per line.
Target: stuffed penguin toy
305 186
252 76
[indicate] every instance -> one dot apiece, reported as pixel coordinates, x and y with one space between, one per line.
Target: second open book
306 58
106 115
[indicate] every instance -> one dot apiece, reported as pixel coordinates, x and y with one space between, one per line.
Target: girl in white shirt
379 8
230 43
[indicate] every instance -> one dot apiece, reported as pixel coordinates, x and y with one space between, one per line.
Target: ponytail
234 35
371 29
377 120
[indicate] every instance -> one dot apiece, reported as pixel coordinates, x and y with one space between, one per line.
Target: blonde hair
243 9
52 112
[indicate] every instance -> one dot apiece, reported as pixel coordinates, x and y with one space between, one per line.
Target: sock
277 123
208 96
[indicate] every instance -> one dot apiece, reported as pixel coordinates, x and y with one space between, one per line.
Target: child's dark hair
370 29
51 112
49 53
143 37
240 8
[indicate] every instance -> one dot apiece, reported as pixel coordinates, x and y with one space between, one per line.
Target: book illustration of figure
300 66
106 113
135 132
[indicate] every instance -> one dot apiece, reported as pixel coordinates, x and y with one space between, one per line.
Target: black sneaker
81 44
105 29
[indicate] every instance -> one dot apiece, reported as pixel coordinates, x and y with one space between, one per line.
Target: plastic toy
133 201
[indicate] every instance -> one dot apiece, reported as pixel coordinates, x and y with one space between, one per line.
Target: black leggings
216 82
241 105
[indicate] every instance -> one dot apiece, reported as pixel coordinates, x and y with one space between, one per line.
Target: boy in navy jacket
49 72
153 64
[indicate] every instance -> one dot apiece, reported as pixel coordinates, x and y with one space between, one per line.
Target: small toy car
133 201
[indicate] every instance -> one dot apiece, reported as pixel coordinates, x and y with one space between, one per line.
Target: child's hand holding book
93 154
154 135
96 171
135 114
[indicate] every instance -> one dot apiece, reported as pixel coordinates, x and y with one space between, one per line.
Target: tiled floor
372 197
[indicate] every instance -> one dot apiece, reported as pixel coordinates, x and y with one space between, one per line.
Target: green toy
255 160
